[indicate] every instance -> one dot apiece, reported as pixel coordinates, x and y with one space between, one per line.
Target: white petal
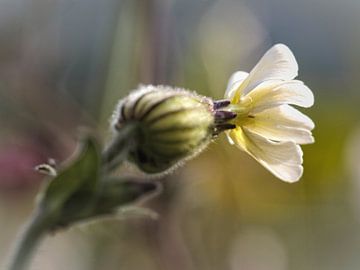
234 82
278 63
274 93
283 159
295 116
228 136
282 123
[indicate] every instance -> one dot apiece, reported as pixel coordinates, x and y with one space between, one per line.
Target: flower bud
171 125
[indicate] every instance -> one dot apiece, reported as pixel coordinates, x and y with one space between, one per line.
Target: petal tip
293 175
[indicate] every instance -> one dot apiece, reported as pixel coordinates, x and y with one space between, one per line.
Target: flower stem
118 150
31 236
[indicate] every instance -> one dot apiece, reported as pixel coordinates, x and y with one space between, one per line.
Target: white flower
267 127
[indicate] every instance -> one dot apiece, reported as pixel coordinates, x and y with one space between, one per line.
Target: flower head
172 125
266 126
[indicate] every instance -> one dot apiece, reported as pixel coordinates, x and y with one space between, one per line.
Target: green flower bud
172 125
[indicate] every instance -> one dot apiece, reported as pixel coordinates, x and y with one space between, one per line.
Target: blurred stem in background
144 48
139 51
121 72
155 67
139 54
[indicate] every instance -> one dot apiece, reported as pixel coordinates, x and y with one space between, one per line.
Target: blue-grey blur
65 63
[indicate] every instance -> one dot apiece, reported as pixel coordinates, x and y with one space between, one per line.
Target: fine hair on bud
171 125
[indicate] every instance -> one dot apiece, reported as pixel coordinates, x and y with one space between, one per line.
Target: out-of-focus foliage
65 63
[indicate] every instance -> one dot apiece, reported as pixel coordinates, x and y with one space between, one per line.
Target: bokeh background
65 63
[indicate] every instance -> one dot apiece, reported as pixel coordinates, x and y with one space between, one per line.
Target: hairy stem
31 236
118 150
41 222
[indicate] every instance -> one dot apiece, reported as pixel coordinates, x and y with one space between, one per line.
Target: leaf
111 194
119 192
80 176
135 211
123 213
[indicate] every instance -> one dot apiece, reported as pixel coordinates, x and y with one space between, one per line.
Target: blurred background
65 63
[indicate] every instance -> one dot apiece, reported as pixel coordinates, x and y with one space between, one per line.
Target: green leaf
111 194
122 213
130 211
80 176
119 192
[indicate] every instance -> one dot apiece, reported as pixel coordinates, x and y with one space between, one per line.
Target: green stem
118 150
31 236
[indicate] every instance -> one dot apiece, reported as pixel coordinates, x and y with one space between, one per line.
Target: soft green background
65 63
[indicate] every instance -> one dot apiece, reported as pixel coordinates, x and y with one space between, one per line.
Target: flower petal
282 123
278 63
229 136
234 82
283 159
274 93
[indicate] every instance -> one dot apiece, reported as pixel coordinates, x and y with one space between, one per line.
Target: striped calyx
172 125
